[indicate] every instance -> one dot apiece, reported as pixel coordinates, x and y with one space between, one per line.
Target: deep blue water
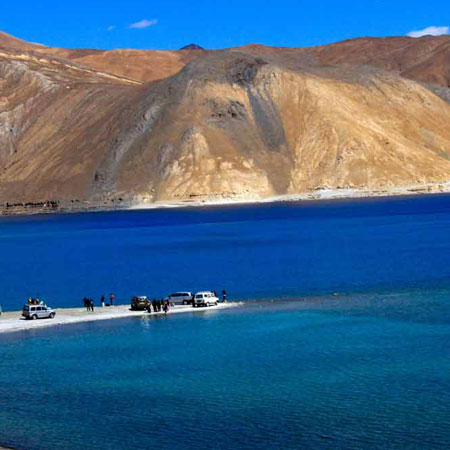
265 251
366 369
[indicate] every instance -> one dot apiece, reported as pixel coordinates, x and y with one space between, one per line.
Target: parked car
185 298
140 303
206 298
38 312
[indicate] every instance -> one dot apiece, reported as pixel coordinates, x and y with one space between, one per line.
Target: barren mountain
13 43
426 59
141 65
81 126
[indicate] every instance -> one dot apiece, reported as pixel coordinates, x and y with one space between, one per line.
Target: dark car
140 303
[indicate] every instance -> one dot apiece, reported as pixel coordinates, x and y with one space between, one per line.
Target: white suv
184 298
206 298
38 312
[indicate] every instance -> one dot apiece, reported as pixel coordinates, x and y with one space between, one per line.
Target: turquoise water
368 368
349 373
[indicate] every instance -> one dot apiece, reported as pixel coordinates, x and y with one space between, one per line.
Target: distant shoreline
11 321
317 195
121 204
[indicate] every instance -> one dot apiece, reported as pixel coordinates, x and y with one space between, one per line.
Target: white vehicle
34 312
206 298
184 298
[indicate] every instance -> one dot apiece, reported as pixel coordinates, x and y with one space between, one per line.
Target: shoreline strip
12 321
143 203
315 195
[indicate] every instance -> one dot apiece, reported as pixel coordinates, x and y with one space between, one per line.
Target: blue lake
295 367
254 252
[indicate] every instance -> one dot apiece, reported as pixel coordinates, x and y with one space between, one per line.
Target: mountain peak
192 47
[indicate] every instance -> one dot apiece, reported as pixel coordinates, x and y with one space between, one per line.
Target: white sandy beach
12 321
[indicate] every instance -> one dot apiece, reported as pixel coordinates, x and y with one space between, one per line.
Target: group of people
156 305
89 302
159 305
35 301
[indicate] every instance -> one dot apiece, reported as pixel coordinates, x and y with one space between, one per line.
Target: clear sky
170 24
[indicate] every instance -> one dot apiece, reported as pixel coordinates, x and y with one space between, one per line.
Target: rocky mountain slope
89 127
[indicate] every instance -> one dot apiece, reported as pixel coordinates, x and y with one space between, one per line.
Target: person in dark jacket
91 303
155 305
224 295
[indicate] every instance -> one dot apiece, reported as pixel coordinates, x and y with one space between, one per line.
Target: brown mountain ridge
94 127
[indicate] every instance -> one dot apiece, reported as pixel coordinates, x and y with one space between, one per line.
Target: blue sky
171 24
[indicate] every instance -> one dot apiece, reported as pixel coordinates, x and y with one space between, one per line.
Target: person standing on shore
111 299
91 302
102 301
224 295
155 306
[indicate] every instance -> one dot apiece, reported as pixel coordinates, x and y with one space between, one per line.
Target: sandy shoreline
319 194
11 321
221 200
